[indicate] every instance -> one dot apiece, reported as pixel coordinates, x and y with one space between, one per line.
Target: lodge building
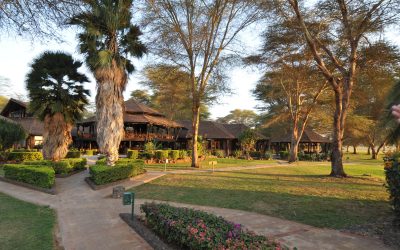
143 124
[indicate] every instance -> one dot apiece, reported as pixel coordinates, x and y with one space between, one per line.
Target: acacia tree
237 116
170 88
196 36
379 69
36 18
57 98
107 41
291 83
336 50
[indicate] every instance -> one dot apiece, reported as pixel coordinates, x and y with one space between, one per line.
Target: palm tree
58 98
108 38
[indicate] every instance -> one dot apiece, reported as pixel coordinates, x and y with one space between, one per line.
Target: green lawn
302 192
1 171
24 225
221 163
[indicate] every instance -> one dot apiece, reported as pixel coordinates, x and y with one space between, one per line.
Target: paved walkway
90 219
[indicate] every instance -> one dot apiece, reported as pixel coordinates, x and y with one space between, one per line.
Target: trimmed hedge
64 166
25 156
284 155
174 155
392 173
183 154
121 161
40 176
89 152
102 174
162 154
73 154
193 229
132 154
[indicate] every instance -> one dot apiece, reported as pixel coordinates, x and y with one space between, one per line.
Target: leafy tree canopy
10 133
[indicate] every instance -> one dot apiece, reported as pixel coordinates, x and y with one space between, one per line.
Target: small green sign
127 198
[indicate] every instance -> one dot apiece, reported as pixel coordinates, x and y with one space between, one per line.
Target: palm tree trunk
110 118
56 137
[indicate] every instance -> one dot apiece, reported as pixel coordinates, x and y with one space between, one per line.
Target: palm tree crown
55 86
109 37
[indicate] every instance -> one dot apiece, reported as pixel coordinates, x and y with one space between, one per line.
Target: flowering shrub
392 172
193 229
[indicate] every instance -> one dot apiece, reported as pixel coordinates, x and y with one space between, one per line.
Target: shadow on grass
313 180
312 210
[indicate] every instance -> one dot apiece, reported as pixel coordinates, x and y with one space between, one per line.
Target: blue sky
17 54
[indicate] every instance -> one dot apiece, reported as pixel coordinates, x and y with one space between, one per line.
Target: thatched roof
13 105
215 130
309 136
134 107
138 113
31 125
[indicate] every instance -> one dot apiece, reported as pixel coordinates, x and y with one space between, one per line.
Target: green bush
88 153
40 176
255 154
76 163
174 155
132 154
161 154
183 154
25 156
121 161
267 155
220 153
284 155
237 153
73 154
102 174
392 173
193 229
64 166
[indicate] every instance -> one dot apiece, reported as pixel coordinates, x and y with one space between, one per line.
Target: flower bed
103 174
40 176
193 229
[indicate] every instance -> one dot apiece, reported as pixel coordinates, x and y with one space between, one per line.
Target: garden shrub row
73 154
25 156
392 173
122 161
40 176
64 166
102 174
193 229
132 154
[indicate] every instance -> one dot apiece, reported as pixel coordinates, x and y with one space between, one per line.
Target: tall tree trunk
56 137
337 153
294 144
347 148
195 127
109 115
369 150
354 149
374 152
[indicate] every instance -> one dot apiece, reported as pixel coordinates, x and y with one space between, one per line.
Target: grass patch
1 171
300 193
221 163
24 225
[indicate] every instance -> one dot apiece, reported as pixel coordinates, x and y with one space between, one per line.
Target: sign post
129 199
165 165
